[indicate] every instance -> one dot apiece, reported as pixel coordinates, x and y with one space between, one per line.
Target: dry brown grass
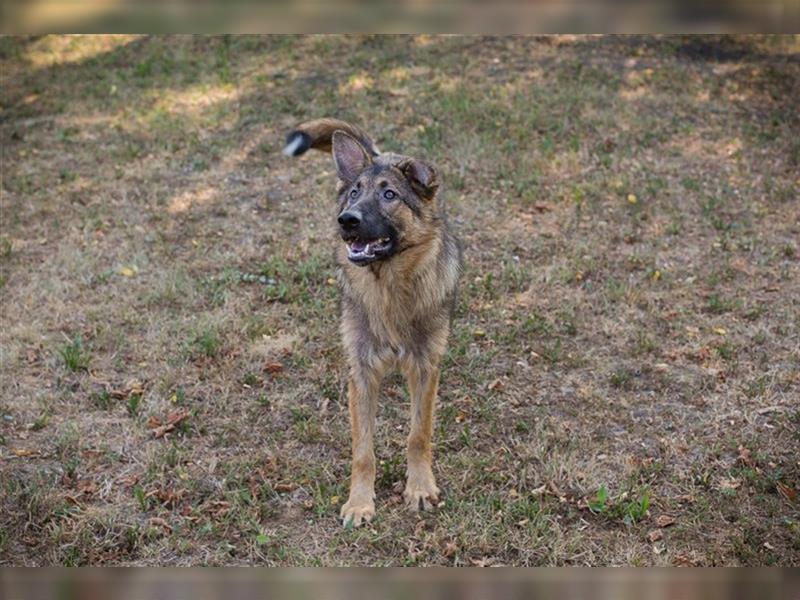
629 320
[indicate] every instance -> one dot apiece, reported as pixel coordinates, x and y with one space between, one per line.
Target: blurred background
328 584
471 16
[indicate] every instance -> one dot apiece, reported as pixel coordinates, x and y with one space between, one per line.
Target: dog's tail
317 134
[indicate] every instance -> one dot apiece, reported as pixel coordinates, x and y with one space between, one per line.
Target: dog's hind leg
423 383
362 391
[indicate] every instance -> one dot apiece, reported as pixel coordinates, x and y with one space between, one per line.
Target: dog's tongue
358 246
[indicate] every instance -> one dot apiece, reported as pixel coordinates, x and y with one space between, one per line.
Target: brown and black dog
399 265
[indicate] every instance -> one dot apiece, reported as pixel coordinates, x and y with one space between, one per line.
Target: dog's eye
353 193
389 195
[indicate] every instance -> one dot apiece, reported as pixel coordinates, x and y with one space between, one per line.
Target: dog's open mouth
362 251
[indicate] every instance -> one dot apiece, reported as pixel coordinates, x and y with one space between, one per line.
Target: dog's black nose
349 220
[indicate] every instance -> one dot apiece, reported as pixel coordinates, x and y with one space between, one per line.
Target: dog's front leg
421 490
362 391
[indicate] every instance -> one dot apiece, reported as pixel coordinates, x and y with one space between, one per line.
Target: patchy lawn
623 380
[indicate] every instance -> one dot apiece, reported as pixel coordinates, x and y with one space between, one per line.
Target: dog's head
386 202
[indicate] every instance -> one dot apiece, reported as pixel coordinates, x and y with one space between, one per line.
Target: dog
398 269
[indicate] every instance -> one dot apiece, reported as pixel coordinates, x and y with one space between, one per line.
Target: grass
629 510
627 318
206 342
74 355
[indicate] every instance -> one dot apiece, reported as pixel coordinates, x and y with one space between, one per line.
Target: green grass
41 421
75 355
630 507
133 403
206 342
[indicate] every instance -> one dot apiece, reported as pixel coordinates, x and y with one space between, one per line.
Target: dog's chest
390 311
389 307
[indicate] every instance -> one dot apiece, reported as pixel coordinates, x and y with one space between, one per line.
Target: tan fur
321 130
395 315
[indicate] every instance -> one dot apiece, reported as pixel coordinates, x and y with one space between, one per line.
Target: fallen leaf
173 418
87 487
128 271
496 385
730 484
704 353
741 265
556 491
169 497
67 480
273 367
720 330
655 535
632 198
449 549
23 452
745 457
219 508
129 481
539 490
684 560
665 521
787 492
159 522
419 528
133 386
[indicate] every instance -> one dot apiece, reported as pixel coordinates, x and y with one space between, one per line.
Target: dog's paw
421 493
357 512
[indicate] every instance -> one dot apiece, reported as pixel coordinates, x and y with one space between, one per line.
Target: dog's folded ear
421 176
350 157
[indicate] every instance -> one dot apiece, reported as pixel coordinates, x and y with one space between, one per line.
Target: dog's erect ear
421 176
349 156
